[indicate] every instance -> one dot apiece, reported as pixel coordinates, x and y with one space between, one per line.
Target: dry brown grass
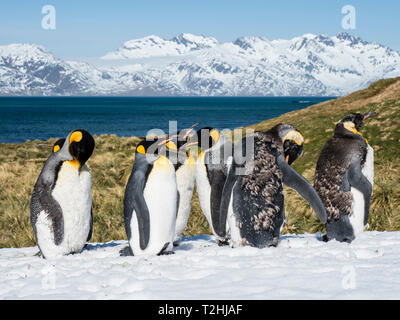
112 161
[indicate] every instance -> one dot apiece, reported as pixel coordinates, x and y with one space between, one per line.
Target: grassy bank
113 157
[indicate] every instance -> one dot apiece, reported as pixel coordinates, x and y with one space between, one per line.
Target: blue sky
91 28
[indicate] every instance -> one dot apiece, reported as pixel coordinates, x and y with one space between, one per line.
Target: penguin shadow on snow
186 243
92 246
318 236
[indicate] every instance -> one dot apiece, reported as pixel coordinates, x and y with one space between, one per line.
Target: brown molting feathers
327 183
265 179
328 180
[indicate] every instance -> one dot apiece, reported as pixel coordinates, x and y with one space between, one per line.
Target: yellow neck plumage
351 127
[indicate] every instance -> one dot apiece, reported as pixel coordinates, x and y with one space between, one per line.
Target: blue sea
30 118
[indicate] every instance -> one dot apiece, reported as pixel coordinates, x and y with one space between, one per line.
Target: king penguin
150 202
211 170
185 176
253 199
61 202
344 178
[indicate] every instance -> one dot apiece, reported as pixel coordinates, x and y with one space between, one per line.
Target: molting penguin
150 202
344 179
253 201
211 170
61 202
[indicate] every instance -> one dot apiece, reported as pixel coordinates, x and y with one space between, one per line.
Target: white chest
73 193
161 200
368 169
185 177
203 188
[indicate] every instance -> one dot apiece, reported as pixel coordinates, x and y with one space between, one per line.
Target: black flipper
325 238
91 226
361 183
226 198
134 200
178 196
217 181
297 182
163 252
39 254
42 200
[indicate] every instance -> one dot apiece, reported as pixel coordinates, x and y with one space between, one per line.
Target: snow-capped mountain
154 46
28 69
198 65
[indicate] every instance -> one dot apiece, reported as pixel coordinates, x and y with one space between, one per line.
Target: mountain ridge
190 65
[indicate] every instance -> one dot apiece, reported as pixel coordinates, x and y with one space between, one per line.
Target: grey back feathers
134 199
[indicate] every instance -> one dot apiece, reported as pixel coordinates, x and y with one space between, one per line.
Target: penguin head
174 143
145 147
207 137
292 141
351 124
186 140
80 146
58 145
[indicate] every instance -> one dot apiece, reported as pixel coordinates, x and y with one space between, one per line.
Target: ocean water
30 118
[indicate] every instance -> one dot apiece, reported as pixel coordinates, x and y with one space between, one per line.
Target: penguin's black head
351 124
147 147
292 141
207 137
176 142
58 145
81 146
292 150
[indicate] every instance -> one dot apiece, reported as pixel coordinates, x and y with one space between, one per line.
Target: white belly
357 217
185 177
203 188
161 199
73 194
234 230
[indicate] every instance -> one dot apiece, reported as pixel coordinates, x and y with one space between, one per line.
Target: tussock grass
383 133
112 161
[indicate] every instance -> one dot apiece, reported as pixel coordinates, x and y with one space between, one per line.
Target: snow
194 65
301 267
153 46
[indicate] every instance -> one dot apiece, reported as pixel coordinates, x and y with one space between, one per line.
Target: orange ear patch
214 135
56 148
75 137
141 150
171 145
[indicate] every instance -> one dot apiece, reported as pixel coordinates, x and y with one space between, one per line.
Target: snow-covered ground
301 267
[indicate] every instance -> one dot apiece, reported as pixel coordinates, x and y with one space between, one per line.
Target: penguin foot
325 238
125 252
39 254
162 251
222 243
166 253
177 243
274 242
